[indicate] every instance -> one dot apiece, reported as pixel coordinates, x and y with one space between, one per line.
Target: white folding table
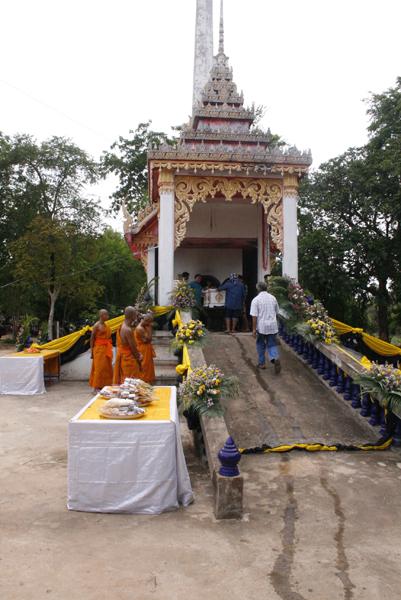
127 466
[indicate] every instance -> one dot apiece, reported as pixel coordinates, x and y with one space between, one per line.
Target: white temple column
290 227
203 60
166 237
151 269
261 241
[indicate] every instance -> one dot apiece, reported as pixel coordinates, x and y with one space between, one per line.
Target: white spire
203 61
221 30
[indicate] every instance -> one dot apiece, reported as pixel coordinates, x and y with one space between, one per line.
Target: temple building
224 198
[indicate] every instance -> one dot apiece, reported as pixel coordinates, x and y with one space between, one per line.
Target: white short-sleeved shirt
265 308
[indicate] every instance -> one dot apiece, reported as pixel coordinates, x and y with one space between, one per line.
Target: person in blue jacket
235 297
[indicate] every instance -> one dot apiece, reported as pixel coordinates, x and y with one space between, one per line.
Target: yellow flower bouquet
192 333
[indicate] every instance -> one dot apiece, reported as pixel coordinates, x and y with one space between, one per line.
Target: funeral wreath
204 389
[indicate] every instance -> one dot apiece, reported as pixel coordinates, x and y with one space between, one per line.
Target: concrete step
162 341
165 381
165 353
165 363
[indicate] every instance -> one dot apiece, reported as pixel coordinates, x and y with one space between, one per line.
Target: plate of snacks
137 390
121 408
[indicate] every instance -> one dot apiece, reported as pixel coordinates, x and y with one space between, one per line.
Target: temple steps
165 360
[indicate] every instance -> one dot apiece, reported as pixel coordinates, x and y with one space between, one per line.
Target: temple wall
208 261
223 220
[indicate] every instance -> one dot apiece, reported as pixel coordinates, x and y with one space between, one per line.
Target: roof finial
221 30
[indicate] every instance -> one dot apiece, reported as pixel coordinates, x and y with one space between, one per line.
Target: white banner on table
128 466
22 375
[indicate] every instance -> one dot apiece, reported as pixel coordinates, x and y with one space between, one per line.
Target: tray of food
121 408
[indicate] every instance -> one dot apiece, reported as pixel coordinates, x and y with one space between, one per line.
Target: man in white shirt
264 310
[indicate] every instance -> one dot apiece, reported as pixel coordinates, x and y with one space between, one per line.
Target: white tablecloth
128 466
22 375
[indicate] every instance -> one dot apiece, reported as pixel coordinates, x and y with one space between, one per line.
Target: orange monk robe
126 365
147 351
102 369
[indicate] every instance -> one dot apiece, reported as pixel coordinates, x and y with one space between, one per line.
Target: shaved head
103 315
130 313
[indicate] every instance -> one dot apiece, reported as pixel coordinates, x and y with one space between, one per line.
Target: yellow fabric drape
158 311
374 343
177 321
383 348
185 366
64 343
343 328
67 341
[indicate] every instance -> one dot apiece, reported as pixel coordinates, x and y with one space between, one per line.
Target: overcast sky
93 69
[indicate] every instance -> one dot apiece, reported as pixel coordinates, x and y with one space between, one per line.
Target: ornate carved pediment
142 241
189 190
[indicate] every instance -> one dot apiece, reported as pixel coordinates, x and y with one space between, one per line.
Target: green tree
55 259
128 160
45 180
122 276
350 244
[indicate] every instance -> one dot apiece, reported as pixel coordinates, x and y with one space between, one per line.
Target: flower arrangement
383 382
297 298
183 296
204 388
192 333
317 311
317 330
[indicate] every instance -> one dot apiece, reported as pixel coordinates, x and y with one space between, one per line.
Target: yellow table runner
45 353
157 411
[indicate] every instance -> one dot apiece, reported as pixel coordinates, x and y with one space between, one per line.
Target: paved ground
316 527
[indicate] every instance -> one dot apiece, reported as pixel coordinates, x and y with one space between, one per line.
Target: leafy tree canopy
350 243
128 160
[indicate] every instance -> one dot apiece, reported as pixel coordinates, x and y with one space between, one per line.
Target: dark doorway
156 275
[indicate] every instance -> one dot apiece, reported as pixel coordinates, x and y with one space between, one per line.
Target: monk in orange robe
101 353
143 339
129 359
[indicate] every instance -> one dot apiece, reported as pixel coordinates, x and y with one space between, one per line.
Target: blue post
333 375
347 388
311 356
340 382
316 359
322 364
383 422
300 347
397 433
366 405
327 369
305 352
355 396
229 458
375 414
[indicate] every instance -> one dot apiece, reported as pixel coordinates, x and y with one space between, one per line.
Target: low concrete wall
228 490
79 369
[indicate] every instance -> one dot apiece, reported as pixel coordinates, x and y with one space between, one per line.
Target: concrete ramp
289 408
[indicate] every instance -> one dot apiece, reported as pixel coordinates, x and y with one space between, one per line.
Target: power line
54 109
69 275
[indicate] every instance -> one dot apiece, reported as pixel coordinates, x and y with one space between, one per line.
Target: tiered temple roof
221 128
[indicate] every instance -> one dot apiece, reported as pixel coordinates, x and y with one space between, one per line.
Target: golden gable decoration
189 190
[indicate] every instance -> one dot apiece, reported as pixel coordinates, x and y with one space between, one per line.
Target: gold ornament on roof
189 190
